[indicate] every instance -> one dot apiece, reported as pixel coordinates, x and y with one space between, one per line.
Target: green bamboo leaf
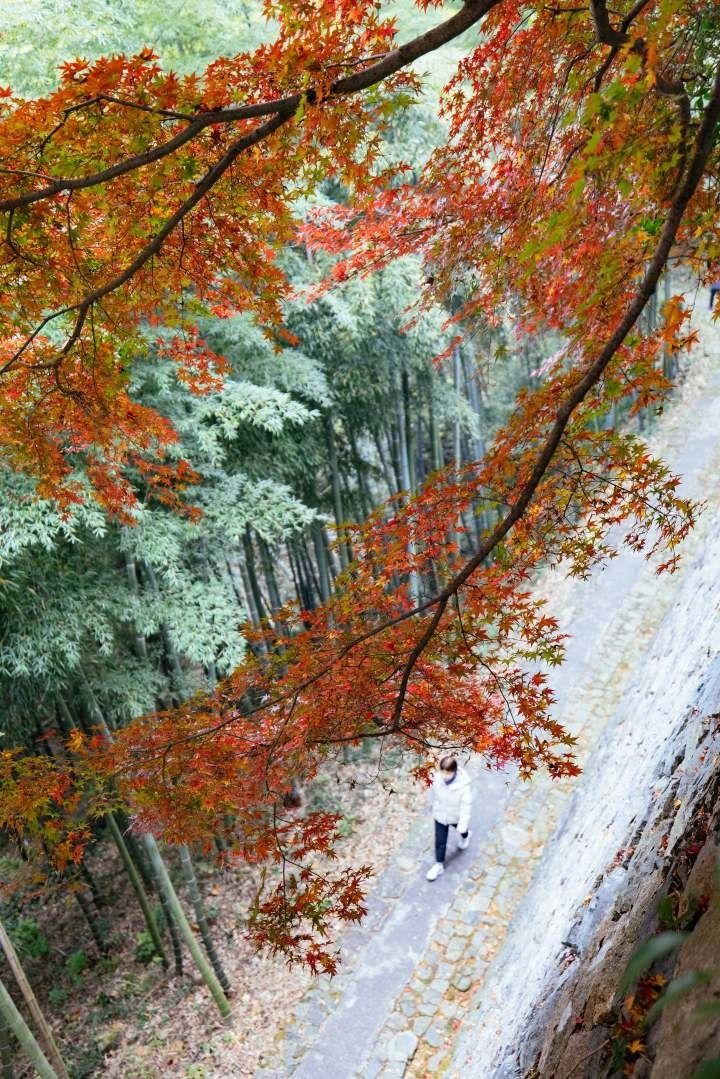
647 954
709 1069
708 1011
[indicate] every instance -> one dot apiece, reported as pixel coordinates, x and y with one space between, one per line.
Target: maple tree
582 155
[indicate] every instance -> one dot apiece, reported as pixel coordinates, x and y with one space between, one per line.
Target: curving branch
84 306
438 603
286 107
702 149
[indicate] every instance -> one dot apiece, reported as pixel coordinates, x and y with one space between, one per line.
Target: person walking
452 802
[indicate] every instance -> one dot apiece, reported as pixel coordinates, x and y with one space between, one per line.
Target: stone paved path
413 973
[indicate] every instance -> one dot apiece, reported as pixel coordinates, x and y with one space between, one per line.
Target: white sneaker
463 841
435 870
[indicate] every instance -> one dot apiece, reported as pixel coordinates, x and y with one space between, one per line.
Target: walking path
413 972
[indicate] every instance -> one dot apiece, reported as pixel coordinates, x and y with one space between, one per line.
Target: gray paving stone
392 884
436 1035
450 1009
403 1046
420 1024
371 1068
456 949
393 1070
317 1014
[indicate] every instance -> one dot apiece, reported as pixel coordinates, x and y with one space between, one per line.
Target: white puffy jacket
452 802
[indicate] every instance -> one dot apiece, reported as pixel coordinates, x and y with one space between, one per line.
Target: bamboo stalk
344 549
93 924
6 1065
201 915
137 884
321 558
171 897
34 1008
25 1036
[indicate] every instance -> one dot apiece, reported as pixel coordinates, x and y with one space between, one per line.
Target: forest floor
123 1018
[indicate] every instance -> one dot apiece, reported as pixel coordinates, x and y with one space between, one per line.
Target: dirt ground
123 1018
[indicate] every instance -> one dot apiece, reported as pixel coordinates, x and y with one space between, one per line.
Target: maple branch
694 171
84 306
284 107
604 31
703 147
624 27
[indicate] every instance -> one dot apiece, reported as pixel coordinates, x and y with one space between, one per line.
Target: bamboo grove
289 425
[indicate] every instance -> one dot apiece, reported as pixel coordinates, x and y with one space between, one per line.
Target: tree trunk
97 897
311 577
92 921
321 558
166 885
175 912
131 572
420 470
391 437
201 915
135 851
177 678
473 395
169 920
407 445
6 1052
237 586
273 590
17 1026
406 472
330 552
250 570
668 358
298 582
366 501
137 884
457 448
46 1034
345 552
383 459
436 451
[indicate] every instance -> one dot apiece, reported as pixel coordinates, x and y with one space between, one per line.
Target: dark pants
441 834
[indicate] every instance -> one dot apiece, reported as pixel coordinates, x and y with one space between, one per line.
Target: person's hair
448 764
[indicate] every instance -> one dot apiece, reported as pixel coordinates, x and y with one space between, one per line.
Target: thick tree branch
702 150
206 184
604 31
284 107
